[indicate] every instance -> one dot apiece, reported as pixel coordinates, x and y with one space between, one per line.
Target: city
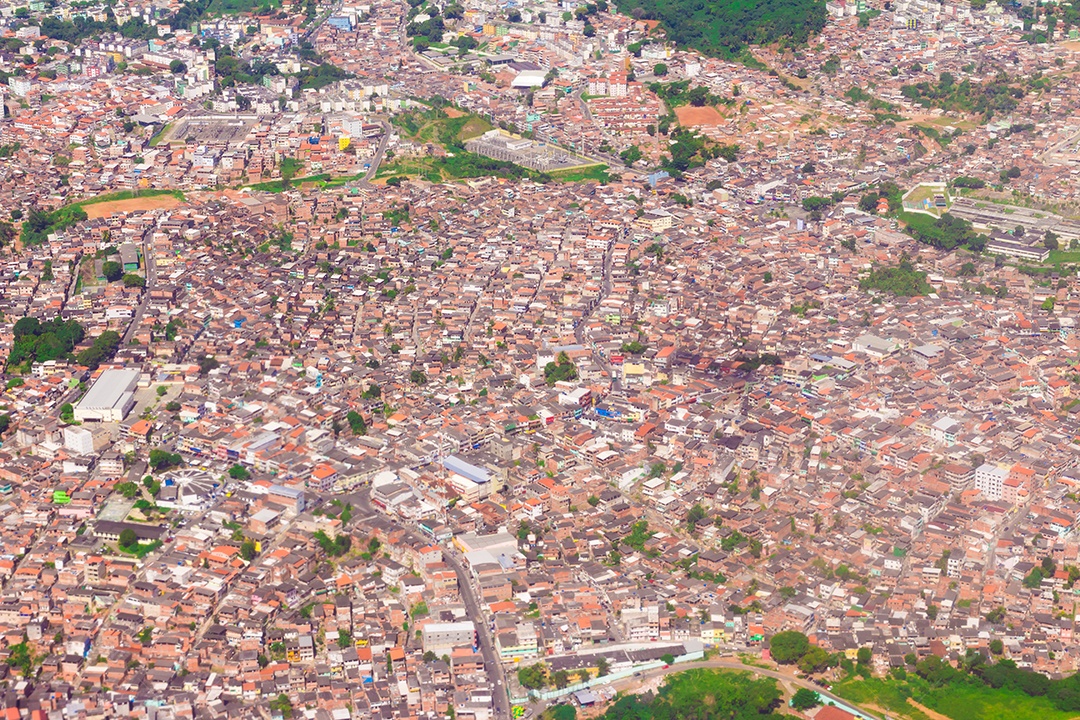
498 360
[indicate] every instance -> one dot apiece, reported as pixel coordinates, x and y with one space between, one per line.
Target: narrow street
361 500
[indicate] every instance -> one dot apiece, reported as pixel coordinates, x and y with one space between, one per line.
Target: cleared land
111 207
447 126
956 702
690 116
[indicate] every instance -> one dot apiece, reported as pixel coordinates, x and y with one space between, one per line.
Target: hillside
724 27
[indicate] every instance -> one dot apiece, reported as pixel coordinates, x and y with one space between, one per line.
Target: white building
110 398
990 480
441 638
79 440
944 431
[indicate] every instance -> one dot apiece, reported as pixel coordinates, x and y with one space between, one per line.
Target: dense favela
536 360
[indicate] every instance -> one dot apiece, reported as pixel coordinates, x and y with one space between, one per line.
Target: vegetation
677 94
903 280
998 96
104 347
976 690
318 77
560 369
753 362
533 677
947 232
639 535
725 27
805 699
239 472
703 695
788 646
163 459
39 224
434 125
356 423
37 341
334 547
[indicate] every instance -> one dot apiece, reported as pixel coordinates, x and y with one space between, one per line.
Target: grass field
591 172
924 192
958 701
1064 256
983 703
887 694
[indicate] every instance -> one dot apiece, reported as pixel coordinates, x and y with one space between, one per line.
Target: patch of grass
160 134
278 186
889 694
973 702
590 172
140 550
961 701
434 125
236 7
130 195
462 165
1064 256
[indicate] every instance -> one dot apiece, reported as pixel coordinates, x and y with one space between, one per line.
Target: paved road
579 330
314 28
379 153
151 281
501 699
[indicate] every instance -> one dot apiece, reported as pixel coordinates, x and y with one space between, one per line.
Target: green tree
660 69
356 423
805 699
814 660
533 677
631 155
239 472
128 538
788 646
112 270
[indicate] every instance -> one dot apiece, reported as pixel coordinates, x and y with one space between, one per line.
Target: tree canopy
788 646
725 27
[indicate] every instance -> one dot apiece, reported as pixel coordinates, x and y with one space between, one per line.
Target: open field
446 126
111 207
690 116
580 174
957 701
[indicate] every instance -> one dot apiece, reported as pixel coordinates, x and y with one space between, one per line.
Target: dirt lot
157 202
690 116
453 112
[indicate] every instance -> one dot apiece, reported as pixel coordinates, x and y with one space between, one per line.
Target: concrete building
79 440
441 638
990 480
110 398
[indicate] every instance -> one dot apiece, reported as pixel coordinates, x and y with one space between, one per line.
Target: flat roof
109 389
